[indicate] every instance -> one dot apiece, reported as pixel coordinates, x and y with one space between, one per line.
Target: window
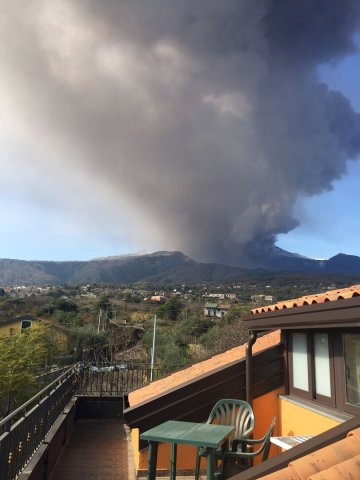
351 346
300 362
311 369
324 366
25 324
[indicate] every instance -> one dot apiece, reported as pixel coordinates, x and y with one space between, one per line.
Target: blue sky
330 222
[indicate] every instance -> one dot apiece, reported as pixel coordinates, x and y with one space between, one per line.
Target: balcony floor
97 450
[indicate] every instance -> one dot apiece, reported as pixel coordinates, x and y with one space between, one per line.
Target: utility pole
98 329
153 351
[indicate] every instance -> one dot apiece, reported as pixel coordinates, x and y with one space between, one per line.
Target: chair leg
197 465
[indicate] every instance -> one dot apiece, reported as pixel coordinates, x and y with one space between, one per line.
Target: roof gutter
249 347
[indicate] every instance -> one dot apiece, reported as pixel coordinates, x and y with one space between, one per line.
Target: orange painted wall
186 455
265 408
135 447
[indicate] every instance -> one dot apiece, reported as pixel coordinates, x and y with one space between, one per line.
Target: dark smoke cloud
205 120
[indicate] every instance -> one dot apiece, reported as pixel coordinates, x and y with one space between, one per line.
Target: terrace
88 424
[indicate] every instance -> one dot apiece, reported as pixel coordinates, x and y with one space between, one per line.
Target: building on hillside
261 298
301 365
220 296
156 299
216 309
16 325
230 296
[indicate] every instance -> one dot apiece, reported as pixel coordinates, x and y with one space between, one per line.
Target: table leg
173 461
210 464
152 460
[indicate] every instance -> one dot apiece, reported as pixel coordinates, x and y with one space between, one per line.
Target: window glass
322 364
300 361
25 324
351 343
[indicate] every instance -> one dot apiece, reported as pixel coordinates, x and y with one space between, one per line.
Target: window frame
311 393
339 363
22 328
292 389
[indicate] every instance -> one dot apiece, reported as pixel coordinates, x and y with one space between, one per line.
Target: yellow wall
10 328
291 419
298 420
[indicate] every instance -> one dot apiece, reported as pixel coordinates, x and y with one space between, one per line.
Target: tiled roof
329 296
340 460
191 373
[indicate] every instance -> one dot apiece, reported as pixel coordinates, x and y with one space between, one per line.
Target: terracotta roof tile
354 432
340 460
326 457
349 470
329 296
191 373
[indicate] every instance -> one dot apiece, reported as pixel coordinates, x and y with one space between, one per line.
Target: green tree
105 306
221 338
170 310
86 344
65 305
22 357
168 354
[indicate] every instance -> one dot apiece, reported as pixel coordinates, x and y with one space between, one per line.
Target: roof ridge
322 297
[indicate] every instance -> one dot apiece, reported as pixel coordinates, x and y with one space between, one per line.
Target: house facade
216 309
16 325
320 334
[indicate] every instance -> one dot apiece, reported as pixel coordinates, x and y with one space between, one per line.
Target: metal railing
23 431
117 380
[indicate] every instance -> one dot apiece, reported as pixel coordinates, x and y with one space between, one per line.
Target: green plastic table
203 435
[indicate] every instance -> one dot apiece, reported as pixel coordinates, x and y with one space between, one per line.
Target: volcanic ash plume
205 120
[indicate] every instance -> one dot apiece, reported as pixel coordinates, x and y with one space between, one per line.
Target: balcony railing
117 380
22 432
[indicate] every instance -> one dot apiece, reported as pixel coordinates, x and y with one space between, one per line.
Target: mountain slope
163 267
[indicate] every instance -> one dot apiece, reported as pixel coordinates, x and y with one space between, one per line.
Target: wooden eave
332 314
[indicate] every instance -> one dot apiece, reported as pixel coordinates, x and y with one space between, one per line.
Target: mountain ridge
163 267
